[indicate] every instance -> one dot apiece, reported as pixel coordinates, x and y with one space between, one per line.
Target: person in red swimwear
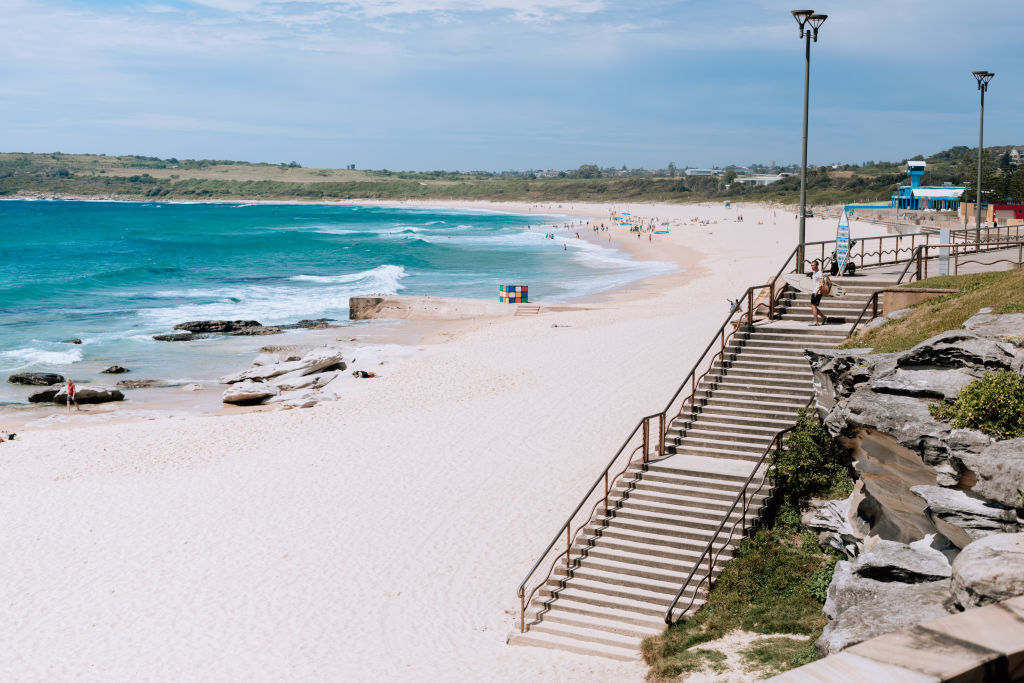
70 386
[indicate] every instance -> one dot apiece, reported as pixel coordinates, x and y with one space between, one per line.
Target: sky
505 84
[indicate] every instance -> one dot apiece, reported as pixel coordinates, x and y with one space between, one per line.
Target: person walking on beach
70 387
818 282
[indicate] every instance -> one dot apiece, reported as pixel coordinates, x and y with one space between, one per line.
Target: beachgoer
70 387
363 373
818 281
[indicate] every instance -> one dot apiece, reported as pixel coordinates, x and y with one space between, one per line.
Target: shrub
993 404
810 462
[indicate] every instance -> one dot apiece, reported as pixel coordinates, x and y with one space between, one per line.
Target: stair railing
709 556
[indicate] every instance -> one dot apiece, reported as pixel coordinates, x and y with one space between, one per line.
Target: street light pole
809 23
983 77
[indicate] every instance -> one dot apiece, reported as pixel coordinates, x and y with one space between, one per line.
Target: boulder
141 383
40 379
318 360
996 472
987 324
963 517
860 608
989 570
192 387
250 393
891 561
115 370
838 372
216 325
84 394
72 341
943 383
830 518
958 349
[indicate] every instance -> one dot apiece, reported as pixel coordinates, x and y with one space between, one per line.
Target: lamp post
809 23
983 77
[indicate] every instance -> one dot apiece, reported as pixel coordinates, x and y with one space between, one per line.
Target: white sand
377 538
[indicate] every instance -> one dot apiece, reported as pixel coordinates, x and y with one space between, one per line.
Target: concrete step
693 475
677 526
766 358
755 396
600 589
582 594
739 368
587 634
699 439
741 384
769 411
618 576
673 490
666 513
603 623
542 608
727 430
556 642
709 452
674 544
709 419
753 347
624 551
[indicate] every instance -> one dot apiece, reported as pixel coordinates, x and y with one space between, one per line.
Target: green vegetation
769 587
1002 291
810 464
770 656
141 177
993 404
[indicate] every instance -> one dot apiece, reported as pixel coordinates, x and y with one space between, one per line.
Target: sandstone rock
216 325
989 570
250 393
958 349
84 394
830 518
943 383
115 370
315 324
988 324
317 360
838 372
192 387
962 517
891 561
996 473
41 379
860 608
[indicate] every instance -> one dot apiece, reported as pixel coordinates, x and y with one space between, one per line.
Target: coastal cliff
933 524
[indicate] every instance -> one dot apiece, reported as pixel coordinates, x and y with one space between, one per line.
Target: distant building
705 171
917 197
1015 157
761 179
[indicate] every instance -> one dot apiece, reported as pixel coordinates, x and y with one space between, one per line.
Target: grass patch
770 656
767 588
1002 291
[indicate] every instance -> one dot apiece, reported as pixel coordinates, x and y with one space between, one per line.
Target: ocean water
115 273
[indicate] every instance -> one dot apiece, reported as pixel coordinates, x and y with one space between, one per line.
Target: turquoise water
115 273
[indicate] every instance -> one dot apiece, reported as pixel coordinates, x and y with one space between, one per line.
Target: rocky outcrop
179 336
314 324
927 494
295 377
115 370
989 570
72 341
84 394
143 383
40 379
250 393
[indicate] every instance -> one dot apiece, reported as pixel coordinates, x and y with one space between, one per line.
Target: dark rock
40 379
84 394
216 325
989 570
959 349
179 336
256 331
963 517
115 370
72 341
316 324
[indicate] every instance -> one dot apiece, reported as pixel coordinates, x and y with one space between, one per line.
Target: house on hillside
1015 157
920 197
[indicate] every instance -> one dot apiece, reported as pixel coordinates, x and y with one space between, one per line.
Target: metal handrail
712 558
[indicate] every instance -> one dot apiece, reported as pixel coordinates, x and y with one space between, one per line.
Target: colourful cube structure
513 294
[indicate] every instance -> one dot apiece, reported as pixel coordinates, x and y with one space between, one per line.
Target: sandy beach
376 538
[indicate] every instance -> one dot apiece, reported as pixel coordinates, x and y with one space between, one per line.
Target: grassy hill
139 177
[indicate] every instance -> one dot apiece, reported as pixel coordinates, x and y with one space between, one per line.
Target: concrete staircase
840 309
627 565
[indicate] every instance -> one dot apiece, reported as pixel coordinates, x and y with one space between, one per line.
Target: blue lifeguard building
917 197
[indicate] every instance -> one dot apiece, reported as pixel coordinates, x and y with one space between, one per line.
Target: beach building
761 179
920 197
997 214
705 171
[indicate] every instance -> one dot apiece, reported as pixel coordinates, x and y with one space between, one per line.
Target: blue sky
503 84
